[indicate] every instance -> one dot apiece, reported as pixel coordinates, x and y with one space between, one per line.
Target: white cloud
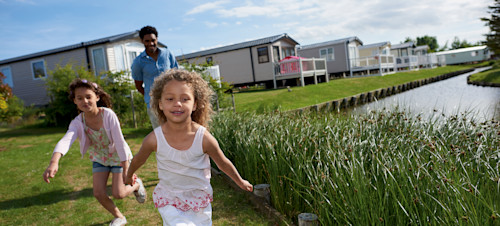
211 24
206 7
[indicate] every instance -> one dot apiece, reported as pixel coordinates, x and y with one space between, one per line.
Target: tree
429 41
408 39
425 40
457 44
445 47
493 38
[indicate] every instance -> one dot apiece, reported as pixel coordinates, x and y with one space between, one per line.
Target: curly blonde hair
202 94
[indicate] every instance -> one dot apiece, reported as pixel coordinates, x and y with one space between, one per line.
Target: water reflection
452 96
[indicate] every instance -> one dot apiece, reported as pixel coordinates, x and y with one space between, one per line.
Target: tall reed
384 167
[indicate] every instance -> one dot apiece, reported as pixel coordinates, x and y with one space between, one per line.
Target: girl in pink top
183 146
98 129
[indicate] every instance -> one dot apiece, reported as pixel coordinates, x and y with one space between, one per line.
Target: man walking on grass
149 64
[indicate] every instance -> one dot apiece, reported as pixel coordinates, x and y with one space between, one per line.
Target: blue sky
29 26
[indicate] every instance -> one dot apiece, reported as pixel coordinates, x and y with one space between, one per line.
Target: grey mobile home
247 63
26 74
339 54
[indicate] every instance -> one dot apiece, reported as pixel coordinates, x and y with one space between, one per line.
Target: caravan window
38 69
263 55
99 60
327 53
8 76
288 51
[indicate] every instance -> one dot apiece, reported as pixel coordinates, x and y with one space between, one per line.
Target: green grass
491 76
68 200
260 101
385 167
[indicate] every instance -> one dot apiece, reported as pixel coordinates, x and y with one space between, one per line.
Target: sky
30 26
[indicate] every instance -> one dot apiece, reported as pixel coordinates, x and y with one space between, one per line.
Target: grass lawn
314 94
492 76
68 200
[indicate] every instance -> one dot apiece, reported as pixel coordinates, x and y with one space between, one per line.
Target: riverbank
300 97
487 78
353 101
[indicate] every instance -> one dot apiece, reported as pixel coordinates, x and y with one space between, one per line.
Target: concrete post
308 219
262 190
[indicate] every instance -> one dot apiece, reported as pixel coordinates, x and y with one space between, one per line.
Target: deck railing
297 66
374 61
300 68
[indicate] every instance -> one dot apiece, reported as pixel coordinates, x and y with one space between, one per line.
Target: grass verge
490 76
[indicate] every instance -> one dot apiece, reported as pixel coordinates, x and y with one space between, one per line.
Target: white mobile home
465 55
405 56
425 59
375 58
26 74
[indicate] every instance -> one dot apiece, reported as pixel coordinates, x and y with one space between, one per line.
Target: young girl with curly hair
183 147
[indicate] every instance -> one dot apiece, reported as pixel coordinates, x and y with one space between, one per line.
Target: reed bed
385 167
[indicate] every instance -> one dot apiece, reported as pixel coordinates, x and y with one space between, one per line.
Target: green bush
118 85
60 110
222 99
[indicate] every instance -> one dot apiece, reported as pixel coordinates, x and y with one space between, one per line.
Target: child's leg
100 182
120 190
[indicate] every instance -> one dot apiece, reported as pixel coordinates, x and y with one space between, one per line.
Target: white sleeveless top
184 174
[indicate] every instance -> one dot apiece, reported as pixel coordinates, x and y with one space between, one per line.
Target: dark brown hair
104 98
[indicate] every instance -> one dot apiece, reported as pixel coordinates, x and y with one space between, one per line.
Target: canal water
444 98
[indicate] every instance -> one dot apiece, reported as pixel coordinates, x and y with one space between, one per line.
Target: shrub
118 85
60 110
222 100
11 107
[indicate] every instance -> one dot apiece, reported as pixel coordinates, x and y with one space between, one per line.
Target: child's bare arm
147 147
51 170
211 147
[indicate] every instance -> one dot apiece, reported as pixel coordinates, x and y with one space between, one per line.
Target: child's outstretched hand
50 172
246 186
130 179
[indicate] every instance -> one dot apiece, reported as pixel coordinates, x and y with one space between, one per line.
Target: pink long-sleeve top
113 130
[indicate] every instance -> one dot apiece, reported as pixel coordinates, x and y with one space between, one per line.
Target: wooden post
234 106
308 219
217 101
133 110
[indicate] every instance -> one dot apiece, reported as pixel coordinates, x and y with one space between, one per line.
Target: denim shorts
98 168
